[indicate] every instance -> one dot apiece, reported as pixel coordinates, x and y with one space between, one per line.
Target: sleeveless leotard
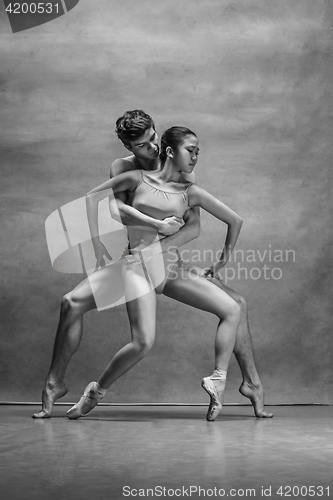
157 203
108 283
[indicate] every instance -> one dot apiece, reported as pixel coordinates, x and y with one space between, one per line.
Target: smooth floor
122 452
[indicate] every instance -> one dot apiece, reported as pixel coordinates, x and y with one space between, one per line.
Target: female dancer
147 271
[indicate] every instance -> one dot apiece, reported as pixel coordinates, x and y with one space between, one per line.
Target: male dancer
136 130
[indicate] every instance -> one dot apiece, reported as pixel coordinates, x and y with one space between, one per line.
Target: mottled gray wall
253 79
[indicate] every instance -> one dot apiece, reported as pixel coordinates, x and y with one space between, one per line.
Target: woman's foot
50 394
256 395
215 389
91 397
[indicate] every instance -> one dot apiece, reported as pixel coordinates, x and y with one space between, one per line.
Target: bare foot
256 396
215 389
49 397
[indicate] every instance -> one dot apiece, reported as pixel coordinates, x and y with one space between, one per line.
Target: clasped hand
100 253
170 225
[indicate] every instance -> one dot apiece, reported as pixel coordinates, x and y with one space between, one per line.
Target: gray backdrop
253 79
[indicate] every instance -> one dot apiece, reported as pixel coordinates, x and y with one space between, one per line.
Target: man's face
146 147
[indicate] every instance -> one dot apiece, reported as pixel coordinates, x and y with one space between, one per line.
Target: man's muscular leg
251 386
68 337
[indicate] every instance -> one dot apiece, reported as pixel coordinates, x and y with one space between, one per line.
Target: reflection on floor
162 452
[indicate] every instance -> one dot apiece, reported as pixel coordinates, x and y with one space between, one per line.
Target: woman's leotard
107 283
158 203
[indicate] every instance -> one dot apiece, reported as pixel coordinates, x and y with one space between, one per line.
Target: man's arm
191 230
120 211
130 216
118 205
188 232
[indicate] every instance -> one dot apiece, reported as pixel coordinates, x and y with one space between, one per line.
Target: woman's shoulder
195 194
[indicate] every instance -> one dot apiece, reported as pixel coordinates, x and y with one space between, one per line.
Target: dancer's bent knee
233 313
242 304
143 346
71 304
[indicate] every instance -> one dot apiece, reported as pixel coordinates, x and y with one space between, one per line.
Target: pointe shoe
215 401
89 396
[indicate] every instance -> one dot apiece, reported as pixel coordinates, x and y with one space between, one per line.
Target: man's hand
100 252
170 225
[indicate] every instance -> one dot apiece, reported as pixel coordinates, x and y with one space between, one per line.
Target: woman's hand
100 253
213 271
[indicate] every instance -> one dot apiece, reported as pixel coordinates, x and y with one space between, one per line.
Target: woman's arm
200 197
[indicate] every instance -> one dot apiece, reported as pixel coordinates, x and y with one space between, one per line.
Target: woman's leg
141 308
142 317
251 386
192 289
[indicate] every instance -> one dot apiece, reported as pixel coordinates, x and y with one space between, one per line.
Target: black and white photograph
166 256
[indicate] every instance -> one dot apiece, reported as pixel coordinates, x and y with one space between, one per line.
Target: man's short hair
132 125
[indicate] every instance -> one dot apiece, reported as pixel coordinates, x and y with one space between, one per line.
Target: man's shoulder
122 165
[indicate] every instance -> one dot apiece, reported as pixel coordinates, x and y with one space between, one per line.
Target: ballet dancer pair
154 189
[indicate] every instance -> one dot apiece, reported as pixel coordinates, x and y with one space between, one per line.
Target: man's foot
91 397
49 397
215 389
256 395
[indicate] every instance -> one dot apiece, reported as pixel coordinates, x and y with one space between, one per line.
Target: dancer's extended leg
142 317
191 289
251 386
68 338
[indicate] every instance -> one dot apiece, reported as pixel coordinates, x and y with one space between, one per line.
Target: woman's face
186 154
